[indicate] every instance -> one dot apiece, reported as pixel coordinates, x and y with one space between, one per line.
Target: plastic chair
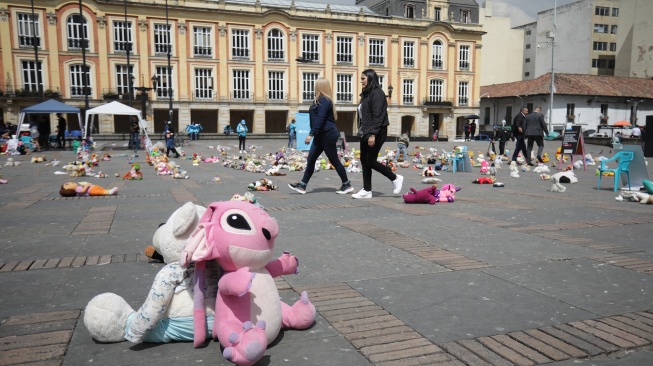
624 157
459 155
27 141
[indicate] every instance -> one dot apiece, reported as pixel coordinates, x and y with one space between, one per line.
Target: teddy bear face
236 234
170 238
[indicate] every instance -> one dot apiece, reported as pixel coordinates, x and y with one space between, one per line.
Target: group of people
529 129
470 130
372 130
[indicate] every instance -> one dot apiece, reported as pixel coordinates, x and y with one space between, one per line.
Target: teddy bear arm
154 307
284 265
236 283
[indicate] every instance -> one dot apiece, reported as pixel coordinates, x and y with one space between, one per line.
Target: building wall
634 43
528 50
223 19
502 46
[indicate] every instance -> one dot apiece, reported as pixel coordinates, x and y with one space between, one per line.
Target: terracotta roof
575 84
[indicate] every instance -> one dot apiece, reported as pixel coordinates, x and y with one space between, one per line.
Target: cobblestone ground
517 275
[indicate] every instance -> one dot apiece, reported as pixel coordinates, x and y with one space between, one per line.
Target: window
530 107
602 11
162 39
122 36
571 109
407 96
463 87
310 47
613 29
527 60
527 73
276 85
79 79
344 54
486 117
528 46
615 12
164 84
600 63
435 90
438 13
28 30
344 88
381 81
122 78
241 84
275 45
465 16
436 62
32 76
77 32
601 28
610 64
308 86
203 84
377 52
613 47
409 54
202 42
240 44
604 113
410 11
463 58
528 32
600 46
508 116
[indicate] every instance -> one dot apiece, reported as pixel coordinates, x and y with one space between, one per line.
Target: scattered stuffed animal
134 173
485 167
248 311
447 193
431 180
426 195
557 187
106 157
545 176
163 169
514 171
72 189
109 318
644 197
262 185
39 159
485 180
493 170
565 177
578 164
541 168
428 171
545 158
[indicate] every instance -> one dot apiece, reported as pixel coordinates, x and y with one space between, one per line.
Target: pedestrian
402 147
292 134
134 131
170 140
61 131
518 134
468 130
499 136
193 130
242 135
473 129
637 132
373 129
324 134
535 130
34 134
44 133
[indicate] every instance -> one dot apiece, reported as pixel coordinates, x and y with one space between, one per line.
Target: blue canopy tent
49 106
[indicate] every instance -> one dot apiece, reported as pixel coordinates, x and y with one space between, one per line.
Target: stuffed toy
545 158
262 185
493 170
72 189
514 171
431 180
545 176
648 186
163 169
39 159
428 171
426 195
557 187
169 304
447 193
106 157
541 168
485 180
134 173
249 312
485 167
11 162
565 177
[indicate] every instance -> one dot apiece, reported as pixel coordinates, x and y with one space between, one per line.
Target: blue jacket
321 116
242 129
196 128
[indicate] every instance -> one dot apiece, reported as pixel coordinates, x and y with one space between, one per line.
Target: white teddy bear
109 318
514 171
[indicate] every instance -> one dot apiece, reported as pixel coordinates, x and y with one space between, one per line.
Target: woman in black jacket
373 129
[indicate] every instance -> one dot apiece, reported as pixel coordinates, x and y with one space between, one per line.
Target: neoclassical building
237 59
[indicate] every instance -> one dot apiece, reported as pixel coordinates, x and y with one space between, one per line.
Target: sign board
303 122
573 144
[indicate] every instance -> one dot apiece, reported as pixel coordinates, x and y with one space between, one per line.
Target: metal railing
437 101
31 91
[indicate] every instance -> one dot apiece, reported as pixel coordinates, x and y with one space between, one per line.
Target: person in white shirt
637 132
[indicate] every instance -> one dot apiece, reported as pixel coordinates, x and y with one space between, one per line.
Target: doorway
207 118
161 117
346 123
276 121
407 125
435 120
235 116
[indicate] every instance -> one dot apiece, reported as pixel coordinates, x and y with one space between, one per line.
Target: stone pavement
503 276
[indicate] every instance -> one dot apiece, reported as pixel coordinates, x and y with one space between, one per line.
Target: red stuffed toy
485 180
426 195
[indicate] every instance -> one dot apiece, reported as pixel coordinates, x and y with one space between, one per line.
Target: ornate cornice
258 32
142 24
223 30
182 28
293 35
4 14
52 18
101 21
361 40
328 38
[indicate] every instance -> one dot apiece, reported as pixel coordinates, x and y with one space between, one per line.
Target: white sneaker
397 183
362 194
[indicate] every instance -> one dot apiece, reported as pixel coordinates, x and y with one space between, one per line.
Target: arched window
77 32
276 45
410 11
437 55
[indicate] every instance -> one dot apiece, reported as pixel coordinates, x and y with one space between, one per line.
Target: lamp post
169 76
143 90
390 89
553 51
35 43
130 78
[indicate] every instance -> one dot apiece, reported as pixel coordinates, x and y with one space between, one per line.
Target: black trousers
520 146
241 142
369 162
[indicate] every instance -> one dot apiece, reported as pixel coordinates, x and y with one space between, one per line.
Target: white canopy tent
120 109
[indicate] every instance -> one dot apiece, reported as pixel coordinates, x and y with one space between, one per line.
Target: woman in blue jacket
242 135
325 136
373 129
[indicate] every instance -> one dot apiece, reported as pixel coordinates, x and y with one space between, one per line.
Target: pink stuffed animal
163 169
240 237
448 193
426 195
485 167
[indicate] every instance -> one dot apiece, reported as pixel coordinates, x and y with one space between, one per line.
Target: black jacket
534 125
373 113
517 122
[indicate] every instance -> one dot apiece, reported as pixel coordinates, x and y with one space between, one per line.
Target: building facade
502 47
256 60
634 42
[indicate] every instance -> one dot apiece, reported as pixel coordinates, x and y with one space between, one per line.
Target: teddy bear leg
299 316
248 345
105 317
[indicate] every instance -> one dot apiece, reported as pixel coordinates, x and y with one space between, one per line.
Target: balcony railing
463 101
409 62
241 96
408 100
308 96
80 91
344 97
162 49
77 44
344 58
122 47
377 60
204 52
437 101
463 65
28 41
240 54
277 97
276 56
15 91
204 96
437 64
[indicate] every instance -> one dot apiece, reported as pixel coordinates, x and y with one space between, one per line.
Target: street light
390 89
143 90
169 76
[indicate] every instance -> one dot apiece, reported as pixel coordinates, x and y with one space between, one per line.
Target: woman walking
242 135
373 129
325 136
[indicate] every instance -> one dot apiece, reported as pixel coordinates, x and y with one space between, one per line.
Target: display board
303 122
573 144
